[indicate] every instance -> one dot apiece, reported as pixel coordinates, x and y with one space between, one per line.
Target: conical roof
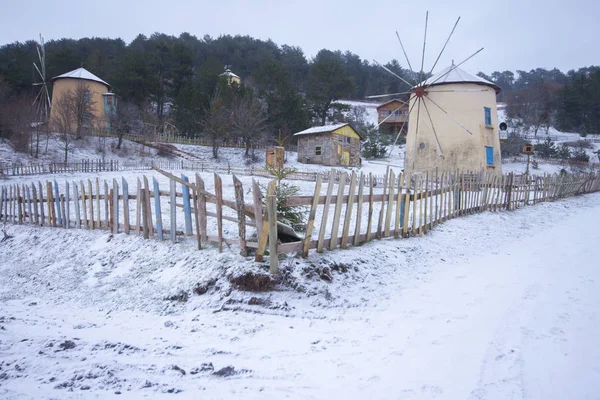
81 73
453 74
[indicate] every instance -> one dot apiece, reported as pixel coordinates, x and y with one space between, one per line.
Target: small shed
337 144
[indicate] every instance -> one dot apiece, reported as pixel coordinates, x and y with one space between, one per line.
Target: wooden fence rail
350 211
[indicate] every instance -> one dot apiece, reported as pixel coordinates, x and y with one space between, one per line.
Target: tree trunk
119 142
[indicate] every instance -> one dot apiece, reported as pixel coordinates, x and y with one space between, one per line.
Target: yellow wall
460 149
63 85
347 131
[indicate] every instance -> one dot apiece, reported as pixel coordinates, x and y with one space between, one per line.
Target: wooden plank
370 215
36 216
115 206
50 203
421 221
256 198
68 206
272 214
425 203
173 210
125 186
57 203
311 216
29 209
91 220
399 207
349 208
195 200
405 218
19 208
76 203
98 207
202 207
438 186
146 230
359 207
84 205
148 207
138 207
335 226
219 197
62 210
239 201
43 217
264 233
157 209
323 226
187 211
382 209
390 203
107 208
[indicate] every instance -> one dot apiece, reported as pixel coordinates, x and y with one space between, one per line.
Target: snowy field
490 306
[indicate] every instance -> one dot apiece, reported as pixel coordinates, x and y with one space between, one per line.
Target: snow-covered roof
321 129
453 74
81 73
229 73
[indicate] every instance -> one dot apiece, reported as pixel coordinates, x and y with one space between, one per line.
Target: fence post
272 214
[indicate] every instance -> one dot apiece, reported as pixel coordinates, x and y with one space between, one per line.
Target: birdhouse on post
275 155
528 149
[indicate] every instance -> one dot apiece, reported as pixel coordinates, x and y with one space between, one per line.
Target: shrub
546 149
290 215
164 149
580 155
535 164
563 152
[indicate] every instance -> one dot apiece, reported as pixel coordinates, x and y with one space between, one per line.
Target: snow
81 73
320 129
483 307
454 74
371 116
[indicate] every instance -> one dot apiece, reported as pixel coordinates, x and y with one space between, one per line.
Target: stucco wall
63 85
460 149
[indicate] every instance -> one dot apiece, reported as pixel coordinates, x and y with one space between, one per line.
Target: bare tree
64 120
216 122
16 116
249 121
124 121
83 107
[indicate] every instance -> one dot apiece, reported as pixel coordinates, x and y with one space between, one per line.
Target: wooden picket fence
88 165
351 211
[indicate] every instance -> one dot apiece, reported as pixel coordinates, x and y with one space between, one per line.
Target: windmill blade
39 72
393 73
437 141
424 42
448 114
48 104
385 95
406 56
456 66
401 129
445 44
386 118
457 91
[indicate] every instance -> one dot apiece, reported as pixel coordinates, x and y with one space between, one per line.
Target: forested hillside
176 79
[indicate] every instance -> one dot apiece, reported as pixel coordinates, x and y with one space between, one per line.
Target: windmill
42 99
422 93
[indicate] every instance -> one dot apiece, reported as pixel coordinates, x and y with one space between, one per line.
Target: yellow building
104 102
460 110
337 144
230 76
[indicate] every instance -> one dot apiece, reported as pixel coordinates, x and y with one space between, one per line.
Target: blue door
489 155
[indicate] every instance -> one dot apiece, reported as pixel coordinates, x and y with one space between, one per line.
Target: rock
226 371
253 281
67 345
178 369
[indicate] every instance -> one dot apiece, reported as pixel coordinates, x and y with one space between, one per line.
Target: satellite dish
503 126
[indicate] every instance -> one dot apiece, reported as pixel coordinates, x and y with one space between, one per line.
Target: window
346 139
318 150
489 155
488 116
109 100
383 112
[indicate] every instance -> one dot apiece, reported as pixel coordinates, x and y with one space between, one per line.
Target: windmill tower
452 120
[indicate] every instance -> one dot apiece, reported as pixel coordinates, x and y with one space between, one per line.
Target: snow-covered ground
490 306
88 148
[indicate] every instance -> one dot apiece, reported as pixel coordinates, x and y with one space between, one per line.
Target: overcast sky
516 34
